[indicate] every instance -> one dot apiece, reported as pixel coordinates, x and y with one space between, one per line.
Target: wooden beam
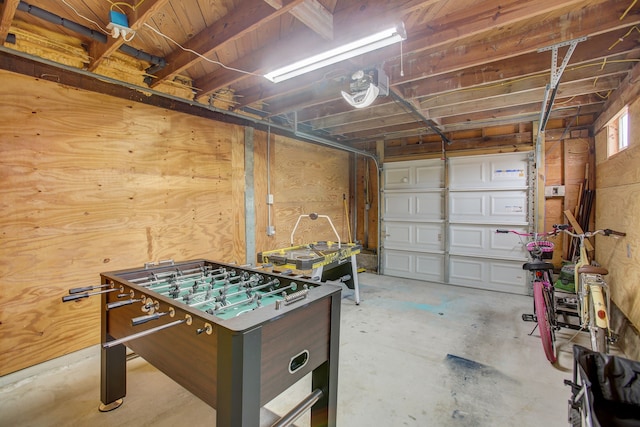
137 18
312 14
241 21
370 17
449 87
588 21
520 141
7 12
482 17
577 229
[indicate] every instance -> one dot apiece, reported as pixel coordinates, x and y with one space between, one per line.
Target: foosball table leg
354 274
325 377
238 388
113 376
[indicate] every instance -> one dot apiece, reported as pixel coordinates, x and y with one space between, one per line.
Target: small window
618 132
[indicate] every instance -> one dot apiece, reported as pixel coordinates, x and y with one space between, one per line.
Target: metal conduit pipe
55 19
86 31
247 119
158 62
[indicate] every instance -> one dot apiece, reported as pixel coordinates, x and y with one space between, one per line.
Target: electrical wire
118 3
621 39
628 9
201 56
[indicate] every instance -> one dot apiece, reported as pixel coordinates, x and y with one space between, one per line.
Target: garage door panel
414 265
397 177
505 207
414 175
398 206
449 234
467 206
464 173
430 237
417 236
399 234
413 206
467 239
430 266
508 274
429 206
494 171
509 245
510 205
484 241
497 275
396 261
430 176
508 171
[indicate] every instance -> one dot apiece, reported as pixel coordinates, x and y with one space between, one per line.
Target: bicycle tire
599 341
575 417
544 325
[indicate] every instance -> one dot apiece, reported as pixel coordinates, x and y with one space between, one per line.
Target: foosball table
236 337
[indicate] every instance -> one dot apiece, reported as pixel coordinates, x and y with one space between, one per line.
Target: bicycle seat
592 269
537 265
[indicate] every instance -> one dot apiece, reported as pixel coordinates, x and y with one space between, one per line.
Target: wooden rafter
7 12
243 20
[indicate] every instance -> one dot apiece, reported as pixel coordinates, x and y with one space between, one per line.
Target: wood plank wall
305 178
618 207
90 183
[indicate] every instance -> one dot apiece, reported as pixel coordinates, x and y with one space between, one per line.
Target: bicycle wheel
543 317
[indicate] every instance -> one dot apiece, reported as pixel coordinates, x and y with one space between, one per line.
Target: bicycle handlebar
565 228
548 233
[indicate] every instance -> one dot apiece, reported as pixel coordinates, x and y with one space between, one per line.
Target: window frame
618 132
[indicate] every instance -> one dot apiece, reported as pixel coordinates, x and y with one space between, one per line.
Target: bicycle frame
592 293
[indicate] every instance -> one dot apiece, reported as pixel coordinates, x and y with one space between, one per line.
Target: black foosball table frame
235 365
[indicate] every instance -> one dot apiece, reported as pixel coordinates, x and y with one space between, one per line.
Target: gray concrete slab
412 354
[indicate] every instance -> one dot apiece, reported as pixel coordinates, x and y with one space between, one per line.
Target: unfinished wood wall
91 183
566 163
618 207
304 179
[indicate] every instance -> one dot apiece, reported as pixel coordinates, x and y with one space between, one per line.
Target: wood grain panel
90 184
618 207
578 153
305 178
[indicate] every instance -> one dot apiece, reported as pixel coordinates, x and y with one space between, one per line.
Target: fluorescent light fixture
367 44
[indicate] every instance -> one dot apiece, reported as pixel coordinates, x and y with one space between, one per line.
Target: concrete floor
412 354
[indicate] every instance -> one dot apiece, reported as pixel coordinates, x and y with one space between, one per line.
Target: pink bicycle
541 249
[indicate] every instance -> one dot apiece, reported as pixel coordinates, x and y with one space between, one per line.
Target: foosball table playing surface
235 337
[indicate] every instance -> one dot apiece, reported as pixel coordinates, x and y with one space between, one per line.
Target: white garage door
447 233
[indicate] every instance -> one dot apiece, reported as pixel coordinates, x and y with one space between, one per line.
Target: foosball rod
290 417
178 279
73 297
132 337
177 272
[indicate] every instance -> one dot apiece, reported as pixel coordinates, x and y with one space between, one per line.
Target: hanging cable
199 55
628 9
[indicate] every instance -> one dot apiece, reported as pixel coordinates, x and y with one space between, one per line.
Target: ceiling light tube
359 47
